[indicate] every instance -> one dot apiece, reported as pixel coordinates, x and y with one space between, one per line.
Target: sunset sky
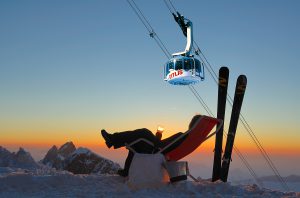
70 68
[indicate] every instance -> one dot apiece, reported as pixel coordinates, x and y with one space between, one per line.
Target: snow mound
51 183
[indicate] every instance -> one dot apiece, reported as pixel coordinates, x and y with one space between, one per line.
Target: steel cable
193 90
242 118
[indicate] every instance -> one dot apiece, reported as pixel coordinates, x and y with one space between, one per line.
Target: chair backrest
195 136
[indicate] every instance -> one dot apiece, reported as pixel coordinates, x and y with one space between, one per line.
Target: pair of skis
221 165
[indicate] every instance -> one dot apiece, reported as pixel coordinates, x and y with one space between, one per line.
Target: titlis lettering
175 73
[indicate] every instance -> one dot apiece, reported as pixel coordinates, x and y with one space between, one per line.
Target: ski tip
224 69
241 84
224 72
242 79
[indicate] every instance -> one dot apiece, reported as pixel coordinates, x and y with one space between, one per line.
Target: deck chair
194 137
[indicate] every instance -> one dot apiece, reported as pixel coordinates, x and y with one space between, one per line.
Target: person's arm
158 135
159 132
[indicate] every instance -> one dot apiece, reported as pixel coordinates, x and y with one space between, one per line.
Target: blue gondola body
182 70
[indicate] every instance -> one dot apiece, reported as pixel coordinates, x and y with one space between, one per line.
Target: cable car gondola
184 68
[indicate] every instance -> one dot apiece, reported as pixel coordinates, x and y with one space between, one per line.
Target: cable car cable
214 75
258 181
246 125
150 29
243 120
250 132
240 155
200 99
169 8
167 55
248 128
252 172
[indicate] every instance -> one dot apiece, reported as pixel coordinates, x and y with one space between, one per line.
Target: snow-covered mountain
21 159
6 157
55 157
67 157
78 161
66 149
84 161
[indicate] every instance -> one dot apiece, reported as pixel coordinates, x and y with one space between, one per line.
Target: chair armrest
129 146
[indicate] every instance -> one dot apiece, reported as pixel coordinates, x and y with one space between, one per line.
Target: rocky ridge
78 161
20 159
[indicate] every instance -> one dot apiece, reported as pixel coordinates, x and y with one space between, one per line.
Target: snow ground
52 183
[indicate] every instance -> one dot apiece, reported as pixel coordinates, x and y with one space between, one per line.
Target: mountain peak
54 148
51 157
3 150
67 149
55 157
22 151
21 159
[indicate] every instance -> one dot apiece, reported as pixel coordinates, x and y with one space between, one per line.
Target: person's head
194 120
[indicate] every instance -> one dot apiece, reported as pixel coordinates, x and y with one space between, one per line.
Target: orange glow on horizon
96 140
90 137
98 143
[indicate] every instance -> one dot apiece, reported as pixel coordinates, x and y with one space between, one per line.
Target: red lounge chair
195 137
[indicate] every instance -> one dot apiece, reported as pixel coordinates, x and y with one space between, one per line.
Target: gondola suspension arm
187 30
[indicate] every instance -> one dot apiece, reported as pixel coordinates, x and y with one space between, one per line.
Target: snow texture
48 182
21 176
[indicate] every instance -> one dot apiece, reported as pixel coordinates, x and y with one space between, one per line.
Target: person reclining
120 139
